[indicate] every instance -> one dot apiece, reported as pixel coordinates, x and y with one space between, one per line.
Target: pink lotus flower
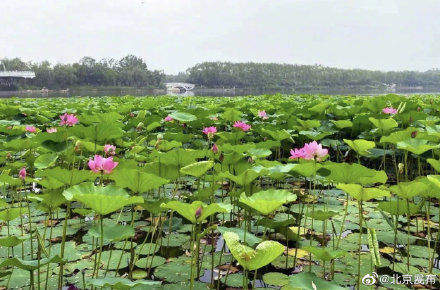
242 125
168 119
262 115
68 120
209 131
310 151
390 111
51 130
109 149
22 173
100 163
31 129
214 148
313 150
297 153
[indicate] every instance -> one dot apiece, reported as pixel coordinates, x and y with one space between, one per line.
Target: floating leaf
121 283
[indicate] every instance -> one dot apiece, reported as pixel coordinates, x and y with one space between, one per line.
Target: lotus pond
290 192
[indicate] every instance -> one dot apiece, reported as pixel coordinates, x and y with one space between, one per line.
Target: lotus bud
140 126
214 148
9 156
22 173
419 109
198 213
131 115
401 167
414 134
77 146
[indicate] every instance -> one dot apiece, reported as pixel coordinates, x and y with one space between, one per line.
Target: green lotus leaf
136 180
249 258
244 236
154 205
66 176
121 283
178 270
152 261
408 190
179 157
102 199
12 241
278 135
3 203
183 117
361 146
30 265
267 201
341 124
232 115
197 169
9 180
325 254
363 193
352 173
11 213
306 169
315 135
416 146
402 135
384 125
49 200
153 126
309 281
274 224
245 178
259 152
45 160
322 215
276 279
112 233
399 207
188 211
434 163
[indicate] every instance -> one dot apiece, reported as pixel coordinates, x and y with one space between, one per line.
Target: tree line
132 71
273 75
129 71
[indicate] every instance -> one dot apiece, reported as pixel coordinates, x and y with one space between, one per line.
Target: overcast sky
175 34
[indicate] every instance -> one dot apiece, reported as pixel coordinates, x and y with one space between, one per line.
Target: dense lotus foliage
290 192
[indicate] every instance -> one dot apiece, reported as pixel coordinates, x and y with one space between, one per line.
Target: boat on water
179 87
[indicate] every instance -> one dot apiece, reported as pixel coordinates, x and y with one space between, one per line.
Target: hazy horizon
175 35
